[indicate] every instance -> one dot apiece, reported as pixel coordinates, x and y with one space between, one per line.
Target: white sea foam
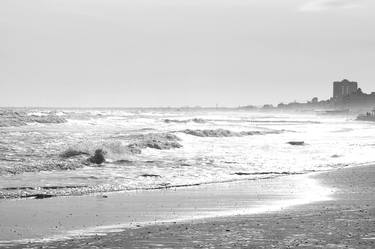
31 153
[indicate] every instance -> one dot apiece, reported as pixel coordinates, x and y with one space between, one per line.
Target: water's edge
94 215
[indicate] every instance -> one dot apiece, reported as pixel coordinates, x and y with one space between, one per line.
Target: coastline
62 218
347 221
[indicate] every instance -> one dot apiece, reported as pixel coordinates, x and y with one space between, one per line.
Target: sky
154 53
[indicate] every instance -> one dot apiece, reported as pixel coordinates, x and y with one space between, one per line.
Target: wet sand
71 217
347 221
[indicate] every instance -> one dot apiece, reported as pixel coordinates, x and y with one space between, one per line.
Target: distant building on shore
346 96
344 88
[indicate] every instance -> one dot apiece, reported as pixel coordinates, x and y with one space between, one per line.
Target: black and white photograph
186 124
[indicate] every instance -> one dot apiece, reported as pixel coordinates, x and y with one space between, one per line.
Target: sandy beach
31 220
345 221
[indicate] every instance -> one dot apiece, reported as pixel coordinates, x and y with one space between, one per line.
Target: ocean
45 152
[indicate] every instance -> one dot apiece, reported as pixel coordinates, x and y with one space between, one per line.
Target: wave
284 121
244 120
78 190
41 192
9 118
73 153
111 150
123 162
81 154
343 130
44 187
120 153
227 133
267 173
46 165
150 175
195 120
160 141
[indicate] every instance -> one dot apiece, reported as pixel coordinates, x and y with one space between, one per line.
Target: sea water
164 148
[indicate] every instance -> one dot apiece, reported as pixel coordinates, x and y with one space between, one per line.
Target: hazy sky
182 52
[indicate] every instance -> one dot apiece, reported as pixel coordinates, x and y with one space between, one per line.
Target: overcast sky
182 52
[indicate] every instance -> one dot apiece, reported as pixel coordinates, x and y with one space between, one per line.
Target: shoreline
347 221
59 219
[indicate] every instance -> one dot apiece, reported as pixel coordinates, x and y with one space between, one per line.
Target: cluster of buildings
346 95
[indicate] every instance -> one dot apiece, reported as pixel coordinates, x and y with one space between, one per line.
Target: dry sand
347 221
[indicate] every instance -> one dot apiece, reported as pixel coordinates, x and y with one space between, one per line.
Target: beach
181 124
155 177
62 218
347 220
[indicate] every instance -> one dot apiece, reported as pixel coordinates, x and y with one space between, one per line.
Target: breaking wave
73 153
148 149
41 192
10 118
226 133
115 151
47 165
160 141
195 120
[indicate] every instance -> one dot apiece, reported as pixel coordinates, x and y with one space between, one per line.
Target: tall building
344 88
